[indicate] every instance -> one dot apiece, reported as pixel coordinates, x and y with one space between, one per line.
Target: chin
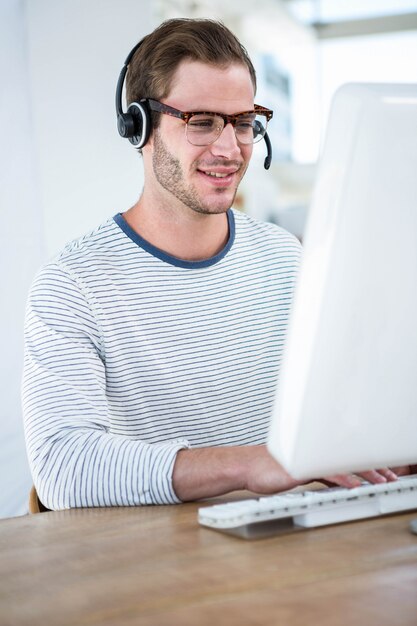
221 205
205 210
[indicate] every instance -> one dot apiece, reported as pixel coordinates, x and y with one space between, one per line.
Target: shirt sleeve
74 459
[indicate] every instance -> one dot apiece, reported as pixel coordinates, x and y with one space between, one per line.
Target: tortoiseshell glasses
205 127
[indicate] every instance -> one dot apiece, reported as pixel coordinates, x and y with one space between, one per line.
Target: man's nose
226 144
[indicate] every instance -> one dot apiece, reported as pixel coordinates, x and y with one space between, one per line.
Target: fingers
383 475
403 470
389 473
379 476
372 476
344 480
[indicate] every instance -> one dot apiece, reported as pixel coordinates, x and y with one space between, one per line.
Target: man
153 344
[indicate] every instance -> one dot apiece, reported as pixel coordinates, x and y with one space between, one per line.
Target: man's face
201 178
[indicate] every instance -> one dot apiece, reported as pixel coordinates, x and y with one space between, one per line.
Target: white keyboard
306 509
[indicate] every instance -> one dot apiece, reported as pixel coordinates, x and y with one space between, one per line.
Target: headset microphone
135 123
268 158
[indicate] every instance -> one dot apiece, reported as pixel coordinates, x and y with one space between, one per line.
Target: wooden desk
156 566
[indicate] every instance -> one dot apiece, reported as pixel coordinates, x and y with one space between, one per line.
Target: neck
187 235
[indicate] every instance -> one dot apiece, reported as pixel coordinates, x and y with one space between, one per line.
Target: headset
135 124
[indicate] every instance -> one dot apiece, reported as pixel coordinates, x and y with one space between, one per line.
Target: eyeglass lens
203 129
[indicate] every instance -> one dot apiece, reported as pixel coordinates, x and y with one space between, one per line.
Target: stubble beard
169 174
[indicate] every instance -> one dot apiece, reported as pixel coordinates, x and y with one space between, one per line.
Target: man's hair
154 64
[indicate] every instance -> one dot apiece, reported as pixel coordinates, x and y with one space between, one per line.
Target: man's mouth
218 174
224 176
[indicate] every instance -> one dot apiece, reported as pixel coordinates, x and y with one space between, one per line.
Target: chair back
35 505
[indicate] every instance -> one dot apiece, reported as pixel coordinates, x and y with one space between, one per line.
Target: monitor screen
346 398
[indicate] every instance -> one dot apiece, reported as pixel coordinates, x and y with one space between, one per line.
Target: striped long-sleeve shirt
132 354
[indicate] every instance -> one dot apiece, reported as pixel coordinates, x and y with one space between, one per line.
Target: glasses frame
185 116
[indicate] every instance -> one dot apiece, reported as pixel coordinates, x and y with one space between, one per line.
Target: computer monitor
347 393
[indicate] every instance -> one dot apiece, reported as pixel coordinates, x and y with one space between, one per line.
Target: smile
217 174
221 180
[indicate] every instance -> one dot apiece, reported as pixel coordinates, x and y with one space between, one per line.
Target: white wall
295 46
21 246
76 51
388 57
63 167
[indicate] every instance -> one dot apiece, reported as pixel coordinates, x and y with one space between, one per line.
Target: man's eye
205 123
245 122
245 127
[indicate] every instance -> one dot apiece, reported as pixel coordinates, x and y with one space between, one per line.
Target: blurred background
64 169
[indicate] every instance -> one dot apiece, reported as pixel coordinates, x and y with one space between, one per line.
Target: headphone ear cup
125 125
139 113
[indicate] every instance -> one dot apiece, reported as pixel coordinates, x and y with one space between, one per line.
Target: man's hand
208 472
264 475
